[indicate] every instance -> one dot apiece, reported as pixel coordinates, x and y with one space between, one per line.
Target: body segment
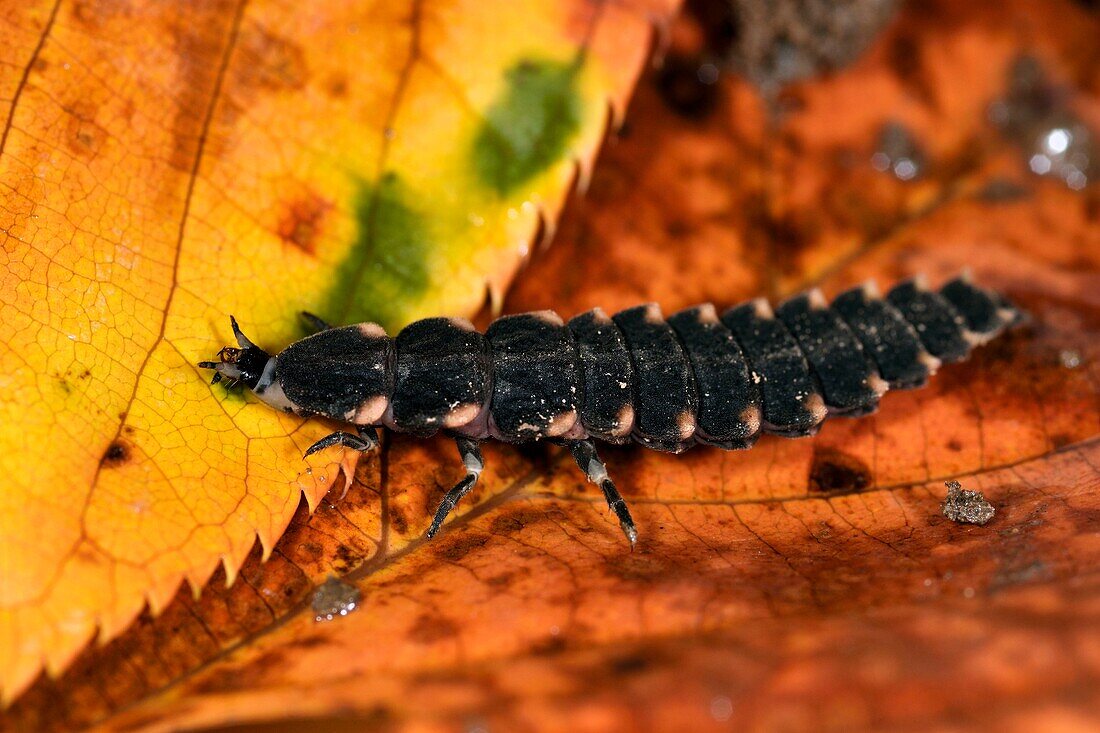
441 377
664 390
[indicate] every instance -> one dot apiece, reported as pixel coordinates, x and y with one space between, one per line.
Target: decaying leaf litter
742 536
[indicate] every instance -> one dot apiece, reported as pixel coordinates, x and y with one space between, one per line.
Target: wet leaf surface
801 585
167 164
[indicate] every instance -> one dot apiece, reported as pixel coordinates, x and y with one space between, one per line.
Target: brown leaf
805 584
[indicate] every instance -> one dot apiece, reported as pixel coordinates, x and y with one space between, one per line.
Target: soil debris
966 507
775 42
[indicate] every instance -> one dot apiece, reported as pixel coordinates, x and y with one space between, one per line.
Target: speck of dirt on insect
334 598
966 507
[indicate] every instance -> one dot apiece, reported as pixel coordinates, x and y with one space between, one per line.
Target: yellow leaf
167 164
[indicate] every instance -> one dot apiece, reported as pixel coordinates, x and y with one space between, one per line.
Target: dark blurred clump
775 42
687 84
1036 115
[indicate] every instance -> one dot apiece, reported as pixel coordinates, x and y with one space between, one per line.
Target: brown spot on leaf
83 135
516 521
399 521
429 628
116 454
834 472
633 662
311 549
273 63
1060 440
200 49
502 580
549 646
337 86
301 221
94 14
346 558
461 546
311 642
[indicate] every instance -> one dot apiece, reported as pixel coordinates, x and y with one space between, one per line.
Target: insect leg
365 441
470 451
584 453
313 323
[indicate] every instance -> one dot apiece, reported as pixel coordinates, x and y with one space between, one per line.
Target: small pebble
966 507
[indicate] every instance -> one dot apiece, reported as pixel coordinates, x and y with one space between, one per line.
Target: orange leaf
166 164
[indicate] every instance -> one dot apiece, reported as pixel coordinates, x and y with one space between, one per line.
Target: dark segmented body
668 384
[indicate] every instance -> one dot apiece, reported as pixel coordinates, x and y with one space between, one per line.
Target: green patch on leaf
528 127
386 268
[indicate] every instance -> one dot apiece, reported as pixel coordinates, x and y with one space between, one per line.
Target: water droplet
1057 141
707 73
1070 358
897 152
1036 115
334 598
721 708
1039 164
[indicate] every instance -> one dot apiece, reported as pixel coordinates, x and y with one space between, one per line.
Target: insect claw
242 340
315 323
